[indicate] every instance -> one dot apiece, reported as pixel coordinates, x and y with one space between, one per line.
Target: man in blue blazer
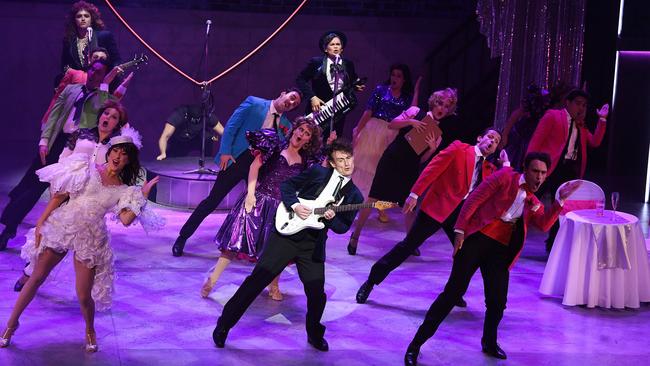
234 158
305 248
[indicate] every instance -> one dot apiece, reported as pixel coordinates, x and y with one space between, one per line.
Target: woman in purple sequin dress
371 136
246 228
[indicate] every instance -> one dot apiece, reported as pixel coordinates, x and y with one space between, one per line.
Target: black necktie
478 168
568 141
275 120
79 105
338 187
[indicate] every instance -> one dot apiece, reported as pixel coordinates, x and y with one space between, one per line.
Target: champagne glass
615 197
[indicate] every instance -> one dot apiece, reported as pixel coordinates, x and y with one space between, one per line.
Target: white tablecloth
598 261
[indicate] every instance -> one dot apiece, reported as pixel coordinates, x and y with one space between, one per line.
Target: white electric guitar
288 222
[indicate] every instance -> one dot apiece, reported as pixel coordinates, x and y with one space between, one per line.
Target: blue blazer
308 185
249 116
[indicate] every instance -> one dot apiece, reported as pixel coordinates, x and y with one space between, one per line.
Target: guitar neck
128 64
343 208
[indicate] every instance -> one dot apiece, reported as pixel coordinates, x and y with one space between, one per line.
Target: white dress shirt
330 77
268 120
571 154
328 191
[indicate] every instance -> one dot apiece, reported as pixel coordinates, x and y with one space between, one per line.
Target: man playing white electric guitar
305 247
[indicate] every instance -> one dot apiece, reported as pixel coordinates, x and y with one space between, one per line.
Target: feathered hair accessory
127 135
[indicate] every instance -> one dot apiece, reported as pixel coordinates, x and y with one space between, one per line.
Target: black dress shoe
352 250
4 239
319 343
352 245
411 357
179 245
493 350
219 336
461 303
364 292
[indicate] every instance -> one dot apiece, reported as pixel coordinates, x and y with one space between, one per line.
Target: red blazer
447 178
493 197
552 133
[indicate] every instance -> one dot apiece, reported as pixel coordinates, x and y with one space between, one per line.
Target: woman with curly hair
251 220
84 31
399 165
91 191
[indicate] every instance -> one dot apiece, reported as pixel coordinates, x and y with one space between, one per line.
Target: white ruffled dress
80 225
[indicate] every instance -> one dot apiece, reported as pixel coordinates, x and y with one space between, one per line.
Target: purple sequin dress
245 233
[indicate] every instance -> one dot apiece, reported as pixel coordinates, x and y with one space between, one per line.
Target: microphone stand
336 73
206 107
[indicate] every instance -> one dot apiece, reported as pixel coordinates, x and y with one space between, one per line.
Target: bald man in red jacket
494 220
447 180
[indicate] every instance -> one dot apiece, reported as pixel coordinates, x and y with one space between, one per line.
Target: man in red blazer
494 220
446 181
563 135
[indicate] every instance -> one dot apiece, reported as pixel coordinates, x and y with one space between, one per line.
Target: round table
598 261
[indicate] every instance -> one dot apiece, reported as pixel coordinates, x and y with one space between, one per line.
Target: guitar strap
324 183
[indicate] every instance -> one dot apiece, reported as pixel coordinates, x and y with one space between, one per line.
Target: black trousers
423 227
565 171
478 251
25 195
279 251
225 182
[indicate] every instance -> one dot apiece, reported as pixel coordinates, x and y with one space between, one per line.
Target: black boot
364 292
318 343
4 238
493 349
179 245
411 356
219 336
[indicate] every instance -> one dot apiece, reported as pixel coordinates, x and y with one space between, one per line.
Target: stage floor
158 317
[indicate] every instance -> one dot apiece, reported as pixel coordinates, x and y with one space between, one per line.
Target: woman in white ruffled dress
94 142
91 191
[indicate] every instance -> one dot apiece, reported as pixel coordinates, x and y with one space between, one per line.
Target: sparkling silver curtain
539 41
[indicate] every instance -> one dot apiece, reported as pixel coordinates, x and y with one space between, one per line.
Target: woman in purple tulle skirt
246 228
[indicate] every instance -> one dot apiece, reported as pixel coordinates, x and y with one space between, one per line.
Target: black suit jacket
312 80
308 185
102 38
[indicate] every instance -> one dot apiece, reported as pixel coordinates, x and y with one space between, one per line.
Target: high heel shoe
206 289
352 245
275 294
91 342
5 339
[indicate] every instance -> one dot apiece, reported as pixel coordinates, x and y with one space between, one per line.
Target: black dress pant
225 182
566 170
423 227
25 195
279 251
492 257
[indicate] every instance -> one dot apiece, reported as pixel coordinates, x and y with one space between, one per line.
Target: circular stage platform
176 188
